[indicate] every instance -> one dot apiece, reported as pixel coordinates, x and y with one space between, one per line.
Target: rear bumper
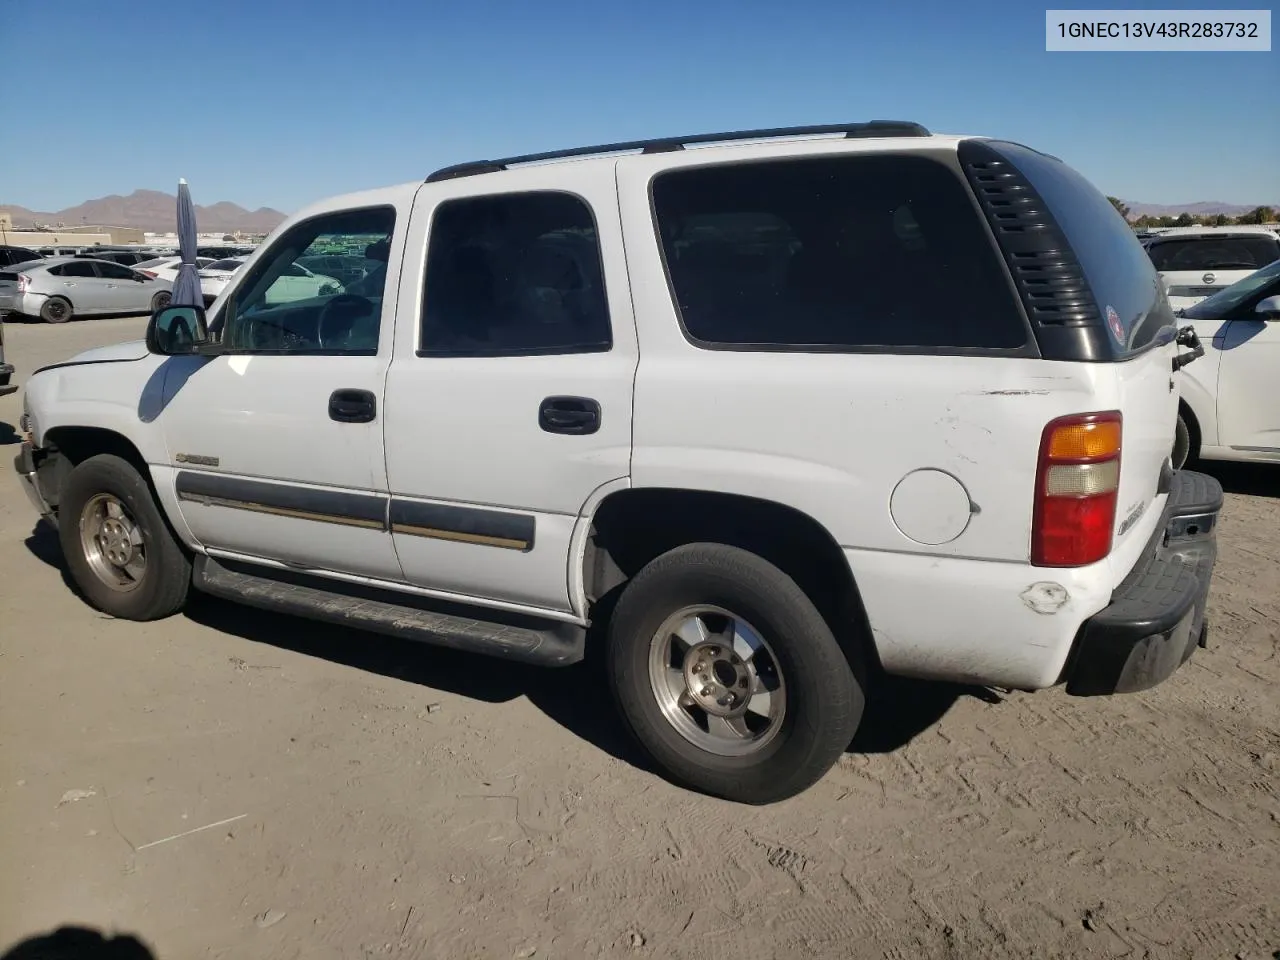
24 463
1156 617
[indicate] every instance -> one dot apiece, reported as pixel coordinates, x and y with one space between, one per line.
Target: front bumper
24 463
7 385
1156 617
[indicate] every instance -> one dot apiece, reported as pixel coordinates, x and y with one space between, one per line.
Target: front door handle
572 415
352 406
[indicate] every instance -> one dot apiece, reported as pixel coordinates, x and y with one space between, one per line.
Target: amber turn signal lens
1085 441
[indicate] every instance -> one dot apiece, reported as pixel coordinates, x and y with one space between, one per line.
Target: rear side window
1214 253
833 253
115 271
514 275
82 269
1119 272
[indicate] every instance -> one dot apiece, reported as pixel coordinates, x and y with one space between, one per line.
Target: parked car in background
126 258
295 283
12 255
166 268
223 252
344 268
1197 262
55 290
7 385
1230 406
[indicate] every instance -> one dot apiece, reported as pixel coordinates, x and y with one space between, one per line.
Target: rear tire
160 301
118 547
728 676
56 310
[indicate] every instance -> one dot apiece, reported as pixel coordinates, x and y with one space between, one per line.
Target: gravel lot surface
232 784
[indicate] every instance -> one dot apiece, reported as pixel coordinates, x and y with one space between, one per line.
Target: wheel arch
1194 431
59 296
631 526
1198 408
67 446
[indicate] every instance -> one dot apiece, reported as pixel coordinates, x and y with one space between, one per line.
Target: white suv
763 415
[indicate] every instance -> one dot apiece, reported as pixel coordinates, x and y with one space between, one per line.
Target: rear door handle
572 415
352 406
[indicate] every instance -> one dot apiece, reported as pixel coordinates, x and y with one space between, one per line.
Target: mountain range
153 211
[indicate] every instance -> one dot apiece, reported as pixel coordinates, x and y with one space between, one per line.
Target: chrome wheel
717 681
112 543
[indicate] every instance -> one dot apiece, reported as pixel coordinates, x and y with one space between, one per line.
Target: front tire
728 676
118 547
56 310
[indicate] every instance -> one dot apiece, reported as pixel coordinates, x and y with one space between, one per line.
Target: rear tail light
1077 479
148 274
24 283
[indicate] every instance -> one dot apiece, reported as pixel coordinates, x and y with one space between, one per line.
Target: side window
833 253
114 271
514 275
76 268
279 307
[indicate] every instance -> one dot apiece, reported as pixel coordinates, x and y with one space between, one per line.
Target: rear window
1120 274
833 253
1214 253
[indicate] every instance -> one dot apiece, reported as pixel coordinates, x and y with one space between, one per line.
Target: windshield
1229 298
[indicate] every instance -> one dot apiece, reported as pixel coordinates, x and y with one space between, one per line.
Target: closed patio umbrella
186 289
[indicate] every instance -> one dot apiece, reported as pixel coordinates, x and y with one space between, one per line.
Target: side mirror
176 331
1268 308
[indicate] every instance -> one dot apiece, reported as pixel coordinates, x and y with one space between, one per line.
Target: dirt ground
232 784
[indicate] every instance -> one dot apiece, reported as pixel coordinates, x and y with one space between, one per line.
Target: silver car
59 288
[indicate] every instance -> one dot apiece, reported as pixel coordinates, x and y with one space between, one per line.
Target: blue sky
291 103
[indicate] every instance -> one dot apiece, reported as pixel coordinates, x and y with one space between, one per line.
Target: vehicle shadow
1249 479
575 696
79 943
897 711
8 435
44 545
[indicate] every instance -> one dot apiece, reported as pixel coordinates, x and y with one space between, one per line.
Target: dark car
11 255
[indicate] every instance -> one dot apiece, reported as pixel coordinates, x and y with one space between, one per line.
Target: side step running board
494 632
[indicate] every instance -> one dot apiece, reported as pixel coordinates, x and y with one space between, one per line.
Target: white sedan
166 268
1230 407
295 283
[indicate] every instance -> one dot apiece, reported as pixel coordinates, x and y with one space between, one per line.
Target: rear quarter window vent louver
1048 276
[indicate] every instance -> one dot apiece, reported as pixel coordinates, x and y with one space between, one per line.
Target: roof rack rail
871 128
